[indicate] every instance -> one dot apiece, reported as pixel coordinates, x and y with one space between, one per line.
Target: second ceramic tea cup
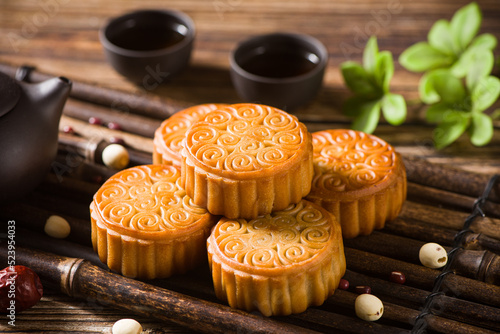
284 70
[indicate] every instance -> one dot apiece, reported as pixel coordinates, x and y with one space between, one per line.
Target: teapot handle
23 73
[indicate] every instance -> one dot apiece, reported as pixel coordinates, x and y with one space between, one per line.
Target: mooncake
359 178
246 160
280 263
144 226
168 137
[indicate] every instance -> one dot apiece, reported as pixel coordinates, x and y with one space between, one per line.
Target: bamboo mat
66 44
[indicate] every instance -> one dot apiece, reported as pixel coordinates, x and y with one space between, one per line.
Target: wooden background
60 37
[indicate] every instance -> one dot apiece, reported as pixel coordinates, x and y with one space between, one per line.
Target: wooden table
60 37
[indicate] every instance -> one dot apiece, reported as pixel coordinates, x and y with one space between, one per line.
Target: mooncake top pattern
246 139
348 160
147 201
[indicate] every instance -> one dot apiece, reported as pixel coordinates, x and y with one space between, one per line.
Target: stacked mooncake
285 198
144 225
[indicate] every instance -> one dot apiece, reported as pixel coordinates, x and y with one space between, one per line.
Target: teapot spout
53 93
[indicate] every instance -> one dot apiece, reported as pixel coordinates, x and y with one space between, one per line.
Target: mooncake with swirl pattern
144 225
247 160
280 263
169 135
359 178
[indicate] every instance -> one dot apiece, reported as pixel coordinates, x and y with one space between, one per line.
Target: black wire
420 324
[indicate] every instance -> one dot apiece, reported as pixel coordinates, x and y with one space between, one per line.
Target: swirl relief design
169 136
278 240
245 138
347 160
147 200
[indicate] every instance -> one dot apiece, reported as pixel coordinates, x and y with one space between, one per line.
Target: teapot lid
10 92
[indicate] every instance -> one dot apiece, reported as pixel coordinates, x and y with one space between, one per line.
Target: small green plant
457 84
370 84
452 45
459 107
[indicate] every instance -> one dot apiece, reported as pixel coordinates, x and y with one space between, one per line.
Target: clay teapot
29 126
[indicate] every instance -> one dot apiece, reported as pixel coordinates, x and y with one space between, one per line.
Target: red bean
343 284
397 277
362 289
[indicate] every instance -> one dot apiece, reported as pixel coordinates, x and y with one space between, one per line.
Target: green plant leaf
440 37
384 70
426 87
353 106
368 118
422 57
358 80
449 131
370 55
482 64
480 44
465 25
485 93
441 85
394 108
484 41
437 112
481 129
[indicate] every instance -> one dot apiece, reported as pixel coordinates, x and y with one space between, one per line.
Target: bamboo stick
430 195
79 278
128 122
141 102
200 283
448 178
39 240
66 186
422 277
330 322
444 306
34 218
475 264
96 133
345 299
449 218
91 150
415 229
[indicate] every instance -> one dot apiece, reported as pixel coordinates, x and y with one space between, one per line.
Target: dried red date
20 288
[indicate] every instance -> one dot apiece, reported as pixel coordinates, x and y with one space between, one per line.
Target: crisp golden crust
144 225
359 178
247 160
350 164
244 141
280 263
147 202
168 137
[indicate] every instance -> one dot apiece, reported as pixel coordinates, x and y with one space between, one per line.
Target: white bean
57 227
433 255
368 307
127 326
115 156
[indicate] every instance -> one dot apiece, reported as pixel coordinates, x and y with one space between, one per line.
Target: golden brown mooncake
247 160
359 178
280 263
144 225
168 137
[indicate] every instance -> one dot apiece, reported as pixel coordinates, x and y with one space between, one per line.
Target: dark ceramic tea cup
148 46
283 70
